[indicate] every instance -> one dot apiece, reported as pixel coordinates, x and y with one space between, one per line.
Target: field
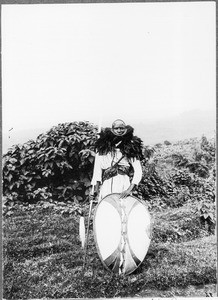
43 257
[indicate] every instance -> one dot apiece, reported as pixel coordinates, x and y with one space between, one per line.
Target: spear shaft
87 234
90 211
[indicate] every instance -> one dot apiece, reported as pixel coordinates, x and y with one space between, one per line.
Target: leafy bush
151 184
182 177
58 164
207 214
208 149
180 160
148 153
198 161
158 145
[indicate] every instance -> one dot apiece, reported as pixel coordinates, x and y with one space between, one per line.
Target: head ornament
130 145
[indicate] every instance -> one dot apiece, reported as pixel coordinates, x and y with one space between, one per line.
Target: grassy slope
43 258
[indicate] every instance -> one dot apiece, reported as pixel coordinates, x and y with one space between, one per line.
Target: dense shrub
58 164
151 184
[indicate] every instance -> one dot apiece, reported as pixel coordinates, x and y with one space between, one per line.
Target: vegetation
43 258
46 185
57 165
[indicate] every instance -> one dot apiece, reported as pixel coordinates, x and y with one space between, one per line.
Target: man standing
118 153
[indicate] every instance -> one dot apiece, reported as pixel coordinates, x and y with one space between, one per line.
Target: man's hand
93 195
127 192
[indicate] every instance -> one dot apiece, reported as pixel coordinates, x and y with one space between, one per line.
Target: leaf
91 159
10 177
205 215
87 183
210 215
12 160
9 213
87 192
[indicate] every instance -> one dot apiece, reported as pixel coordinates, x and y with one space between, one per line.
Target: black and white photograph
108 150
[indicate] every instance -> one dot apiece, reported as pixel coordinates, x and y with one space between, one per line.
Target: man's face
119 128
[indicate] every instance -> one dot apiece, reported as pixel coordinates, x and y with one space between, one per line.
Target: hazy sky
136 61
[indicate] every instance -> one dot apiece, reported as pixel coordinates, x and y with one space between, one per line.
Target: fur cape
131 146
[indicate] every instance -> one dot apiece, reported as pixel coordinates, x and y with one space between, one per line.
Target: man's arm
96 178
95 191
127 192
136 178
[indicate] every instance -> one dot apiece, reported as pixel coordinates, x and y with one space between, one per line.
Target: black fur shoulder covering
131 146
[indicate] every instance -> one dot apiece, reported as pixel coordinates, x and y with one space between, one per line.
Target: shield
122 231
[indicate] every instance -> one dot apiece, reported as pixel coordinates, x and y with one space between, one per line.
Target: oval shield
122 231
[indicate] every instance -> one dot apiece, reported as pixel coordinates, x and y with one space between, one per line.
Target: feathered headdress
131 146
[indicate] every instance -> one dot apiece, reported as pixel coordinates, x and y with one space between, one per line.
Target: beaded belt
115 170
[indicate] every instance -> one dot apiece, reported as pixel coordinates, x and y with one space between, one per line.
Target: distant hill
186 125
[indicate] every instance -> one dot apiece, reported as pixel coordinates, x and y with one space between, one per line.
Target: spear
87 234
90 211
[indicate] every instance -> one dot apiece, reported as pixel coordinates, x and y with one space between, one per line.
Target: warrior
117 170
117 167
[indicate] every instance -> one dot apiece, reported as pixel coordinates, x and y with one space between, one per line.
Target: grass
43 257
178 224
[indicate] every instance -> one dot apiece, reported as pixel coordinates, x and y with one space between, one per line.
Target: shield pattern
122 231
